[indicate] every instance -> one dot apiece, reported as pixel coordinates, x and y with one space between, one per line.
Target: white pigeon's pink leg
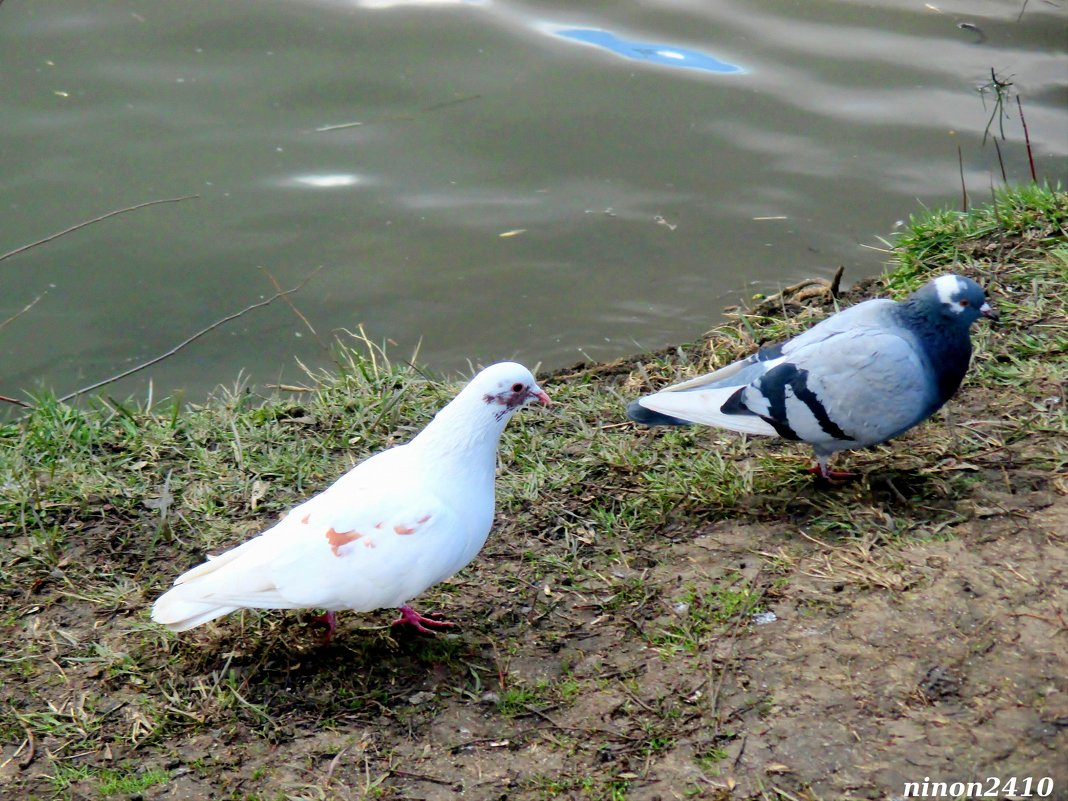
409 617
328 619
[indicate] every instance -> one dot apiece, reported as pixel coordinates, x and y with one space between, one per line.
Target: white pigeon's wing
368 555
408 540
379 548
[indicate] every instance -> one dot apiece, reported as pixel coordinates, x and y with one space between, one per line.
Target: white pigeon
396 524
862 376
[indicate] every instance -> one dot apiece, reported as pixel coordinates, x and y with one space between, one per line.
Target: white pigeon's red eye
517 387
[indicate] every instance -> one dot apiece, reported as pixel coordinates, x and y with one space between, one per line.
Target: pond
544 181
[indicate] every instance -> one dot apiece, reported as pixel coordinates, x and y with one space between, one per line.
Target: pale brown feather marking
423 519
402 530
306 518
339 538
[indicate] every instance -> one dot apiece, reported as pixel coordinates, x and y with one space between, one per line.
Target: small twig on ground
289 387
836 282
420 777
1060 622
15 401
333 765
187 341
81 225
31 751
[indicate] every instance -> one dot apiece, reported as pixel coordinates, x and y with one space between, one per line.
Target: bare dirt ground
806 643
941 658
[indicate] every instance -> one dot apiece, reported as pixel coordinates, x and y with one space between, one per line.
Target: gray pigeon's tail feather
705 406
647 417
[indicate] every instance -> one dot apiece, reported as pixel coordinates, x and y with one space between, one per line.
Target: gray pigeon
858 378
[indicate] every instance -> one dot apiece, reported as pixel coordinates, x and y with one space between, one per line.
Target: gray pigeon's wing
856 387
869 314
759 394
876 314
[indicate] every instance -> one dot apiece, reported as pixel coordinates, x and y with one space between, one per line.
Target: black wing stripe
773 387
808 397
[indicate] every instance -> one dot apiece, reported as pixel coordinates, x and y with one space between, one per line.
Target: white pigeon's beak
989 312
540 395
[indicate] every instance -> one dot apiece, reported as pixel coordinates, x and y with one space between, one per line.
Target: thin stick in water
15 401
187 341
963 188
1001 162
21 311
296 311
80 225
1027 141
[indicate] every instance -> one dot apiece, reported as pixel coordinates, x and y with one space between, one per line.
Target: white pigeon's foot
409 617
329 620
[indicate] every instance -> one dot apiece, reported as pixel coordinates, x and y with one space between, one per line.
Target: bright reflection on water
323 181
664 54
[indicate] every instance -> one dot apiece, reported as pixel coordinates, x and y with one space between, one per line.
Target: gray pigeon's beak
989 312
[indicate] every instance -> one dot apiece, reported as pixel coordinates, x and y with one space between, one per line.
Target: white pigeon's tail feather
233 580
215 563
180 613
703 406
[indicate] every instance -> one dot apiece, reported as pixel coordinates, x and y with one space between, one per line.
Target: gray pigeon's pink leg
821 471
409 617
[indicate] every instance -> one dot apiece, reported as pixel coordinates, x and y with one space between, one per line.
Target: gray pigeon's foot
823 473
409 617
329 620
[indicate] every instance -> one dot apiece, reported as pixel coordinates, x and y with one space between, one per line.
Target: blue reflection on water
664 54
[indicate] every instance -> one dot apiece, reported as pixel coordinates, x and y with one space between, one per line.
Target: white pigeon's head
506 387
477 416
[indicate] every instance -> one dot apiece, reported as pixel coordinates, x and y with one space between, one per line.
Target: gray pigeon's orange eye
517 387
963 301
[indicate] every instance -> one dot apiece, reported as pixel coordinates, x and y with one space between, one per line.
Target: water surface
531 180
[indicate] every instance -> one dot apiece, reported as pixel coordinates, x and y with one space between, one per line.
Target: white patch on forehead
947 286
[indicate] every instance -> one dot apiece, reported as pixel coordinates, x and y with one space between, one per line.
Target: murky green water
533 180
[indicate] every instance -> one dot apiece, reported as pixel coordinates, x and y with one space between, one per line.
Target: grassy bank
609 647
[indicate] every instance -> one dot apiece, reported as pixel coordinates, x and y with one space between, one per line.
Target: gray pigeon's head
954 298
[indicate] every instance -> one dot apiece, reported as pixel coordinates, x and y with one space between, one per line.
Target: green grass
702 612
106 782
